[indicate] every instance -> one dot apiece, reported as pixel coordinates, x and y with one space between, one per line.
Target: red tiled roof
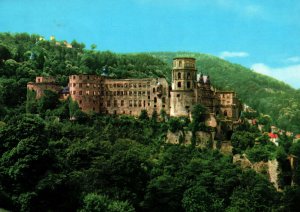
272 135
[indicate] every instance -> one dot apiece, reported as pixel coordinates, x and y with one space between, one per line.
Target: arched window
179 84
179 75
225 113
188 75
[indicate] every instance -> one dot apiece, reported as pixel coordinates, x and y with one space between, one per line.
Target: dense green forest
109 163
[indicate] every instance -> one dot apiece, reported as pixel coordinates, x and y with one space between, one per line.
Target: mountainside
263 93
24 56
99 162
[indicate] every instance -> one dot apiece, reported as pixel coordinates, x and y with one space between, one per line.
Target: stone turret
184 78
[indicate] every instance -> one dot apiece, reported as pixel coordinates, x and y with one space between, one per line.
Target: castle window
153 90
108 103
122 102
80 77
135 103
178 95
163 106
80 101
180 64
179 84
93 109
80 92
130 103
188 84
163 100
74 92
140 103
225 113
148 97
179 75
74 77
144 103
155 99
88 85
115 103
188 75
74 84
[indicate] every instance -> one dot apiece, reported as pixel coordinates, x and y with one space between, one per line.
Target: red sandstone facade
130 96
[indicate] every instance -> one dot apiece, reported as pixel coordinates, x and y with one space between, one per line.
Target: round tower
184 79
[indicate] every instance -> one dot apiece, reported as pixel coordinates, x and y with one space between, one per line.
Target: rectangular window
108 103
122 102
188 84
80 92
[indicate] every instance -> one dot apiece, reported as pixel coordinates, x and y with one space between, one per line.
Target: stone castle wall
130 96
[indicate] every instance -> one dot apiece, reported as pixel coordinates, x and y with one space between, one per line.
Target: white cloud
288 74
227 54
293 60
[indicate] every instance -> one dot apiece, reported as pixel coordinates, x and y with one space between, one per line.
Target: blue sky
262 35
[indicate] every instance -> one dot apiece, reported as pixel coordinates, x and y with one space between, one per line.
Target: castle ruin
101 94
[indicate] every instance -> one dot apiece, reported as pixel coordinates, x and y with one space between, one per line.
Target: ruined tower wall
41 84
86 90
183 95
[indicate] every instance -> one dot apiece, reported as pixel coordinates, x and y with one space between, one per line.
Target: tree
49 101
144 115
197 198
4 53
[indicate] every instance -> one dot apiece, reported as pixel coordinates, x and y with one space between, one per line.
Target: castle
130 96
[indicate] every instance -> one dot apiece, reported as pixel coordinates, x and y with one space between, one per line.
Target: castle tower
184 77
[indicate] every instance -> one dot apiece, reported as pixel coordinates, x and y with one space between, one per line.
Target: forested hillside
50 162
25 56
265 94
